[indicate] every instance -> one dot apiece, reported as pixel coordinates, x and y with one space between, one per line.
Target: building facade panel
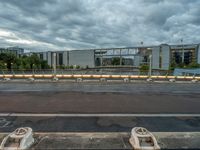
49 61
165 57
155 57
82 58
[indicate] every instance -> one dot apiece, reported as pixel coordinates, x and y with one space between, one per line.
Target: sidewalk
113 140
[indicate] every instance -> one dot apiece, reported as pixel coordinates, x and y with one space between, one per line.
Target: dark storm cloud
83 24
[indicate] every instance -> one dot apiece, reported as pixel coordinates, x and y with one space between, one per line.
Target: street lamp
33 68
182 51
150 65
12 67
54 64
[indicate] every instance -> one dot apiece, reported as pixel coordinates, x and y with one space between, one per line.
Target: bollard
21 138
31 79
55 79
126 80
142 139
6 79
103 80
172 80
194 81
79 79
149 80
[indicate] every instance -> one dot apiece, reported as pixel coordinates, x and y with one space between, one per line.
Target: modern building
163 56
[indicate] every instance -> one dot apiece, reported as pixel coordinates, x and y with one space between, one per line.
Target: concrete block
55 79
126 80
31 79
194 81
172 80
103 79
79 79
149 80
6 79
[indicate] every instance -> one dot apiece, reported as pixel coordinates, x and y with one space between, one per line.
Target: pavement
110 141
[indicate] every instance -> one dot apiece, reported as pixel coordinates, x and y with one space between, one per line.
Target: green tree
9 59
115 61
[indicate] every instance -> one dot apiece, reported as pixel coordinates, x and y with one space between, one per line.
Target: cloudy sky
81 24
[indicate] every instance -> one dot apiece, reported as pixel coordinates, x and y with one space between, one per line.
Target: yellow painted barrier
180 77
28 76
105 76
67 76
59 76
96 76
8 76
197 78
189 77
134 77
115 76
161 77
77 76
48 76
125 76
171 77
38 76
143 77
18 76
87 76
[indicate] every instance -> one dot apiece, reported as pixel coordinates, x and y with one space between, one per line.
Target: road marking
95 115
4 123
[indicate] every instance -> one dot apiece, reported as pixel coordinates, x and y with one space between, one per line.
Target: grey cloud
83 24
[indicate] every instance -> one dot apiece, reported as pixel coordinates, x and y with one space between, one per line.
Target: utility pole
54 63
182 51
150 65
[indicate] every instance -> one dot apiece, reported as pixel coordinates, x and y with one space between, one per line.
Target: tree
9 59
34 61
116 61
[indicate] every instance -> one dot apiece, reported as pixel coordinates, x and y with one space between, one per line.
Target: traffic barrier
91 76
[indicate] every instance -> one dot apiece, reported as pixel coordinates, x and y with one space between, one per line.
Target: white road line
95 115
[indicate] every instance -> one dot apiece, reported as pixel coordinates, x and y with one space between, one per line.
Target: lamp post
182 51
12 67
33 68
54 63
150 65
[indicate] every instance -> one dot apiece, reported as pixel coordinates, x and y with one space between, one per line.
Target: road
104 98
81 102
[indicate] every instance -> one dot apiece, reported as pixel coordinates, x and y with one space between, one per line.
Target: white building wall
165 57
65 58
49 58
82 58
44 55
137 61
155 57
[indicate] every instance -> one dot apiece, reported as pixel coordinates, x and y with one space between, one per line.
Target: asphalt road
112 98
99 98
101 124
82 102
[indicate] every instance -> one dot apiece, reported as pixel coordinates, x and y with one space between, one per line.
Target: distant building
163 56
15 50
